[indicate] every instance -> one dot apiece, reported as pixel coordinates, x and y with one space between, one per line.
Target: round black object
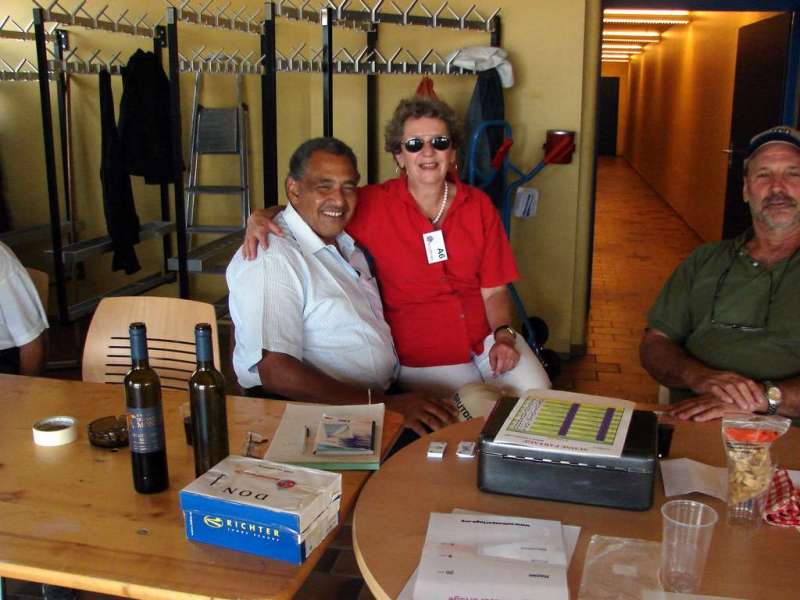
540 330
109 432
551 363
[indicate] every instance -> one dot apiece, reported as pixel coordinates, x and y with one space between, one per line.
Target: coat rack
56 13
10 29
362 15
57 64
371 15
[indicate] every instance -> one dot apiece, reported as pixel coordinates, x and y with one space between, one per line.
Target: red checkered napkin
783 502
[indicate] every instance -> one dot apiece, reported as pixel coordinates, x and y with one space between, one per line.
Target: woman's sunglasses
437 142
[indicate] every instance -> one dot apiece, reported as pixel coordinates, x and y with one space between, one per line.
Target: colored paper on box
570 423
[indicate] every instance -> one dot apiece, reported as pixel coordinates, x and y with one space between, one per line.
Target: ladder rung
213 228
202 258
236 190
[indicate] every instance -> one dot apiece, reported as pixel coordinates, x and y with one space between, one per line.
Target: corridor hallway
638 241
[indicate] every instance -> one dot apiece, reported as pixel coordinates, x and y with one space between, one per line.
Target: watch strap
774 396
507 328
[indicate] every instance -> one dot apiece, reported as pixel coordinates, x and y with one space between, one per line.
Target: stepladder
217 199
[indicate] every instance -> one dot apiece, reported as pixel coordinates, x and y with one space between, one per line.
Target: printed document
569 423
492 556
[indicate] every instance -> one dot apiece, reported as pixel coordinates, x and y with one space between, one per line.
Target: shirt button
461 316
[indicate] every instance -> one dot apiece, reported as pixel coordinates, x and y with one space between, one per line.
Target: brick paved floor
638 241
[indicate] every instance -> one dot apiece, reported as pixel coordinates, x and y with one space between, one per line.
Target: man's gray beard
764 219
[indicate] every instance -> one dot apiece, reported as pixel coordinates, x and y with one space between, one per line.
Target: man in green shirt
724 333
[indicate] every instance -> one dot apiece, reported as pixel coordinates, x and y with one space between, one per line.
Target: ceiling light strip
646 21
646 43
642 12
630 33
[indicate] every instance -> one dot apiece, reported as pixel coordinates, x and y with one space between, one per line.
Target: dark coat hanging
144 118
486 105
120 211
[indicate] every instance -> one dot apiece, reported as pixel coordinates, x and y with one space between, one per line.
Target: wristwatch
774 397
507 329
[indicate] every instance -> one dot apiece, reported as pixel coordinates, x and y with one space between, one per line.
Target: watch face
774 393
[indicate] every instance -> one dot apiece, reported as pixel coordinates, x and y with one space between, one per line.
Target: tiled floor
638 241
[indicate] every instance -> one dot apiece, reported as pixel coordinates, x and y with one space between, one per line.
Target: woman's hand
259 225
503 356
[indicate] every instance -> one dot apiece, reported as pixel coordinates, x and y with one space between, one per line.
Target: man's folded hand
422 412
703 408
731 388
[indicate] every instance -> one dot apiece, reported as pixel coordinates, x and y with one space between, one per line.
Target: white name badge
434 246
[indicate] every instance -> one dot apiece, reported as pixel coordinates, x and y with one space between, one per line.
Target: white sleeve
22 316
266 303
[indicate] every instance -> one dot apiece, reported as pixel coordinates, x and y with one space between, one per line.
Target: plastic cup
688 526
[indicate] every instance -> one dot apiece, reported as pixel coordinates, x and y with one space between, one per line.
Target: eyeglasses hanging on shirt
734 307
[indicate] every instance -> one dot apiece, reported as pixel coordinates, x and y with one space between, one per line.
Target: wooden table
69 515
391 517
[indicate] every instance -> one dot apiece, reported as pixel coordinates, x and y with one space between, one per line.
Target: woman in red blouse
442 259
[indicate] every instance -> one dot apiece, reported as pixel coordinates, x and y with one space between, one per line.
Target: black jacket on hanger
121 217
486 105
144 118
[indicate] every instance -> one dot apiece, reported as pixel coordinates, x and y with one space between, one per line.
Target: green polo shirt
732 313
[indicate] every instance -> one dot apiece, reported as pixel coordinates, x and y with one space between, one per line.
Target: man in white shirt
307 312
22 318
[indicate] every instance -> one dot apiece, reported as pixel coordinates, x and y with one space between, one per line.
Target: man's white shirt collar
308 240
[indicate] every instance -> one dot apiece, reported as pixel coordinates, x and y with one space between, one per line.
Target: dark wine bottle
145 418
207 398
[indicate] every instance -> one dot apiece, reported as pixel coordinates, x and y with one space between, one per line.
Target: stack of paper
329 437
472 555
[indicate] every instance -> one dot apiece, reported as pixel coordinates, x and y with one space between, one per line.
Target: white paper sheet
684 476
505 555
571 534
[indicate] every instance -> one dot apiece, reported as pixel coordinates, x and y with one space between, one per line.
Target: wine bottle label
145 429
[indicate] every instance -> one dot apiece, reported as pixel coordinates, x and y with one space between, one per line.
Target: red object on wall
559 147
425 88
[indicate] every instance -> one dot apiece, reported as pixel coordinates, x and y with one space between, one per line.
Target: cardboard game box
271 509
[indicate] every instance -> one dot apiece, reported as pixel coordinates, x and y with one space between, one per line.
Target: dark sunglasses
437 142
